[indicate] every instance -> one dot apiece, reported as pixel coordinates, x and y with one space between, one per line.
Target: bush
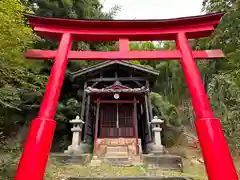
225 98
172 126
9 157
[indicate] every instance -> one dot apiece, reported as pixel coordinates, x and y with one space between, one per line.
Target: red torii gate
218 161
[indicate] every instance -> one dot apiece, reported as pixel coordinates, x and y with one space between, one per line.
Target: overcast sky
154 9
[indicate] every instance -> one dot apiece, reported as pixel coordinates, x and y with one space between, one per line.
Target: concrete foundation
81 159
164 161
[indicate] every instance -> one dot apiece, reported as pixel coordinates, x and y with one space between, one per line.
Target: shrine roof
93 28
106 64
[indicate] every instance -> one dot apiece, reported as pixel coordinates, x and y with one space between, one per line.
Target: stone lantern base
79 149
73 150
85 147
155 149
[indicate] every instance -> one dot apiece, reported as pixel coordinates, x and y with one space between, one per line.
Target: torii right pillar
209 130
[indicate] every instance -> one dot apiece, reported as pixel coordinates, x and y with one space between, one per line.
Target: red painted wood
101 119
193 79
113 35
96 127
97 30
130 55
124 132
109 127
50 100
217 158
127 132
215 151
108 121
123 44
150 23
38 144
135 125
126 118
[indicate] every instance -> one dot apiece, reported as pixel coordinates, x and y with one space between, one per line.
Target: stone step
116 154
117 149
117 161
115 158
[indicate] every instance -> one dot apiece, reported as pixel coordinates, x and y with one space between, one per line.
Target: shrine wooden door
116 121
125 124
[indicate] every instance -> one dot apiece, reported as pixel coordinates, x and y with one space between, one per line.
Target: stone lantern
157 148
74 148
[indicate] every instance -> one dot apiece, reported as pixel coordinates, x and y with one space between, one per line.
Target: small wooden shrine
116 106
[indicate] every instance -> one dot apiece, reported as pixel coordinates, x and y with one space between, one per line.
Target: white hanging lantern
116 96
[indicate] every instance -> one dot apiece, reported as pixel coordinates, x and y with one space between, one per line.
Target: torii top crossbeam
218 161
125 31
133 30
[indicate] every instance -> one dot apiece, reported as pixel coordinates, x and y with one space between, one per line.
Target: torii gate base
217 158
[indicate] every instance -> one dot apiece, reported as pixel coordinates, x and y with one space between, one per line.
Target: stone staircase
116 151
120 151
117 155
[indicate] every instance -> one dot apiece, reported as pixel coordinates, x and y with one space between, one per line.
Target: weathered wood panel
116 120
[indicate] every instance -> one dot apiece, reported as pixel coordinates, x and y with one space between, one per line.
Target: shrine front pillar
38 143
217 158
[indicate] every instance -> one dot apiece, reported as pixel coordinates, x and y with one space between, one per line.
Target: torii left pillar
33 162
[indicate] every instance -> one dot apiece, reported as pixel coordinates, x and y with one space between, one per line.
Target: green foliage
68 110
164 109
224 86
225 96
20 82
8 164
15 37
169 90
145 46
220 77
173 127
76 9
